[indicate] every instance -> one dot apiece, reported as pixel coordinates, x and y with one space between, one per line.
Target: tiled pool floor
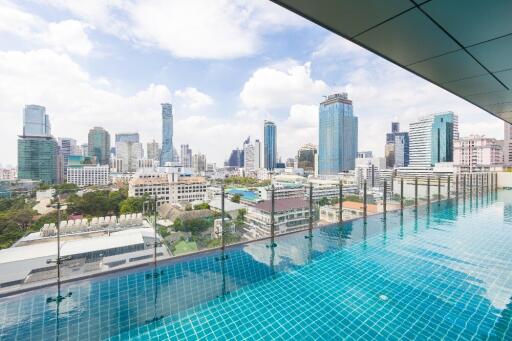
443 275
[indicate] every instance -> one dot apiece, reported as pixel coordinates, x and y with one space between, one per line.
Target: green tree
236 198
324 201
240 218
202 206
131 205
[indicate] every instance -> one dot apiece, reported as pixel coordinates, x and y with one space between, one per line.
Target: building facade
306 156
338 133
270 145
199 163
36 121
186 156
397 147
477 153
127 137
67 147
129 153
37 158
431 139
99 145
249 156
167 132
88 175
153 150
507 145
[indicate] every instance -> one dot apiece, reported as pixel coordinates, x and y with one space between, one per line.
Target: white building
199 163
249 156
477 153
8 173
168 187
290 214
89 175
186 156
368 168
507 145
153 150
257 155
282 191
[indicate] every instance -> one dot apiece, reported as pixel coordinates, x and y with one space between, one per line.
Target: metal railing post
448 187
464 186
272 218
416 192
438 189
340 202
496 182
384 206
401 195
310 206
364 201
428 192
471 186
223 243
457 186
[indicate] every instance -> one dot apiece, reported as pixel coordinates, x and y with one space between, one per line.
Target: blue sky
225 65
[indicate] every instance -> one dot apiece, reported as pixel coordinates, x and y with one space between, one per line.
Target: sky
225 65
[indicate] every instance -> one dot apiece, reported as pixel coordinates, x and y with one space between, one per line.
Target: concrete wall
504 179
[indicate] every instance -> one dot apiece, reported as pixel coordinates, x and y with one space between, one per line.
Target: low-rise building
477 153
351 210
89 175
290 214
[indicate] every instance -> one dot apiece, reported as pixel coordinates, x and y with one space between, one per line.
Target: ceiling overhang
465 47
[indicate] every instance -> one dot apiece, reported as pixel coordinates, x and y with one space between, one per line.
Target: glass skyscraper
35 121
337 147
167 147
127 137
431 139
397 147
99 145
269 145
37 149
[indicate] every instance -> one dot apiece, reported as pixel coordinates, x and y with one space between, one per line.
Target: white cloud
70 36
282 85
67 35
193 98
213 29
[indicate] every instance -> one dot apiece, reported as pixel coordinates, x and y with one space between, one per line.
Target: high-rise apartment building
99 145
306 158
36 121
167 131
249 155
153 150
477 153
338 133
67 147
269 145
507 145
236 158
186 156
37 149
397 147
431 139
199 163
257 154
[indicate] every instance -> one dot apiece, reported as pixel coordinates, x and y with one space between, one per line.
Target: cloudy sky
225 65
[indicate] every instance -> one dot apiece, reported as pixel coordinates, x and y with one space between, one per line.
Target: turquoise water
443 274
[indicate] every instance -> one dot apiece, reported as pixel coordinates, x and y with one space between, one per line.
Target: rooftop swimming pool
443 273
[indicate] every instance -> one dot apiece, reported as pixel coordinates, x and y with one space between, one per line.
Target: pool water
445 273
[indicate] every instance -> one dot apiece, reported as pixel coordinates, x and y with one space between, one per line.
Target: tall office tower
431 139
37 149
257 154
186 156
199 163
67 147
129 153
127 137
84 150
338 129
306 158
35 121
99 145
152 150
249 155
396 149
507 145
167 129
236 158
269 145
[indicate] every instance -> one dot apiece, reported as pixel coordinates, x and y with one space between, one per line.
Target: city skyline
269 65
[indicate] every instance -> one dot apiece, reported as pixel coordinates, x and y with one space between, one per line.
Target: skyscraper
236 158
35 121
99 145
269 145
167 130
129 153
338 129
306 158
186 156
153 152
431 139
257 154
67 147
249 155
397 147
199 163
37 149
